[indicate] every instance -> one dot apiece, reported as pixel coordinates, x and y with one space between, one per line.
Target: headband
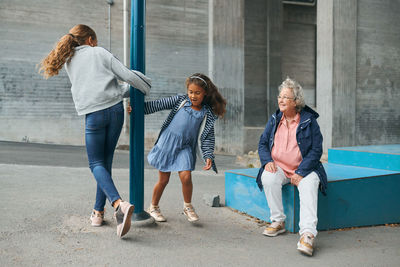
197 77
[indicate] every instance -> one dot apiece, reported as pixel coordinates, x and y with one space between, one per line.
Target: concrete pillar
228 72
274 35
263 22
344 72
336 71
325 69
378 79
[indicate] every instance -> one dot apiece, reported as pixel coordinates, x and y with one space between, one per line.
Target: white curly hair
297 91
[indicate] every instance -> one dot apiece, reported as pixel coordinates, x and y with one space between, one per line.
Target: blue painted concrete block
243 194
385 157
357 196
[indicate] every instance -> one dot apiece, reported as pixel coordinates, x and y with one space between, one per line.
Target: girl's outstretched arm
133 77
161 104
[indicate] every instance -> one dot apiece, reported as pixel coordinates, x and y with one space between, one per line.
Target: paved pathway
47 193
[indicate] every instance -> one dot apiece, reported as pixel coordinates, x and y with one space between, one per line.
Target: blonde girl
94 73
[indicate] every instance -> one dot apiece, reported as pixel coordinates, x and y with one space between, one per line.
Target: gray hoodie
94 73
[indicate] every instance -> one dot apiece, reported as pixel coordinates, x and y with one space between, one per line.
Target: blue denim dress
176 147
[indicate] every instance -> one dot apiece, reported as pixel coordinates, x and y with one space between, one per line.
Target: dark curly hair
212 98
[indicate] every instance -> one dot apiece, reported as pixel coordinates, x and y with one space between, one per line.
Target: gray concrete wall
228 56
299 47
275 31
256 72
377 118
35 110
31 108
256 62
336 73
357 72
177 37
247 49
263 66
280 41
324 72
176 47
344 72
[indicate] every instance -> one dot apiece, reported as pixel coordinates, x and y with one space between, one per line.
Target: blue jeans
102 130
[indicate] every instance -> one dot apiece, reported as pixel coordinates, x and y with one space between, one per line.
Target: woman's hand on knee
270 167
296 179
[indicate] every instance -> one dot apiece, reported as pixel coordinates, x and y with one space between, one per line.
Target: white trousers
308 194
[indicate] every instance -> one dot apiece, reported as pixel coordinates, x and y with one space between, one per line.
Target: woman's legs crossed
272 183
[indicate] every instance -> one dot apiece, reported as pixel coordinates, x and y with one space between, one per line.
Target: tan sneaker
97 218
155 212
123 217
190 213
306 244
274 229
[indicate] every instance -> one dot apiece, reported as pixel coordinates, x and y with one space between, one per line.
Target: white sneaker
306 244
190 213
155 212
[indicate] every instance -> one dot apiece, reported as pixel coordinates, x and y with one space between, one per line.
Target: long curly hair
64 50
213 98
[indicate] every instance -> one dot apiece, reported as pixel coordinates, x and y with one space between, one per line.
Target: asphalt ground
47 193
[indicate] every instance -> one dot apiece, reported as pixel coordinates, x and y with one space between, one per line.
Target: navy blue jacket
309 139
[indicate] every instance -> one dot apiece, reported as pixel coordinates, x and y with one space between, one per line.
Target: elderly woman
290 149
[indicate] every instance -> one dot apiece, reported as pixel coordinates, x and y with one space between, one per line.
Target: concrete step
356 196
385 157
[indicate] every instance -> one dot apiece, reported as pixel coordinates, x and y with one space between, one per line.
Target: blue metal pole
136 132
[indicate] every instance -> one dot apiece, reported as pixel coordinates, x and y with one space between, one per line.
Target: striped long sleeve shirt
207 136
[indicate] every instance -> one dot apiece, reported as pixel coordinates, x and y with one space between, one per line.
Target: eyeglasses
285 97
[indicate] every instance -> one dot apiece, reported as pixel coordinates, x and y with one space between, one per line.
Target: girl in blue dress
189 124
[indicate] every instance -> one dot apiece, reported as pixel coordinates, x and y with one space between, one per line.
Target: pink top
285 152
